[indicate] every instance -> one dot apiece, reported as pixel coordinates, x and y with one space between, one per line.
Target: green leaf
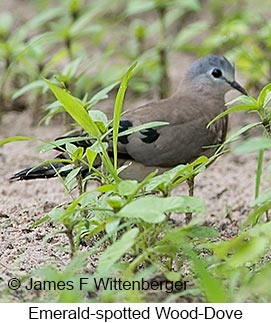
153 124
263 97
231 110
99 147
78 154
76 263
40 221
245 100
91 156
100 119
258 212
264 197
152 209
203 232
210 285
257 285
14 138
38 20
185 36
234 136
71 148
6 22
82 22
118 108
61 215
249 246
113 253
180 239
55 214
128 187
70 180
101 95
28 87
61 142
106 188
112 226
115 202
177 175
69 71
135 7
75 108
252 145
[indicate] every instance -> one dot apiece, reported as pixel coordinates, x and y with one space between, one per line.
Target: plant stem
190 181
68 44
259 173
163 55
69 234
79 180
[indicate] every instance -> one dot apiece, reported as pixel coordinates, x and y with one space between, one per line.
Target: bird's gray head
216 71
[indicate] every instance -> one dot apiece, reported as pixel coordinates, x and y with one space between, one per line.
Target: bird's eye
216 73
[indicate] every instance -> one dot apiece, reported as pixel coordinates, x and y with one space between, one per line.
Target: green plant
155 58
18 53
260 106
125 223
41 47
111 210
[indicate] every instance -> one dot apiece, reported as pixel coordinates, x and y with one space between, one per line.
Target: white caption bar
116 312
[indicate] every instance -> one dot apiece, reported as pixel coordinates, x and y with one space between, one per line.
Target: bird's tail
44 171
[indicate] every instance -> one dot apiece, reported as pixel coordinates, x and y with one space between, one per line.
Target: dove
199 98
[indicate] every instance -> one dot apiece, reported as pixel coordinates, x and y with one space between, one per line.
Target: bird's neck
199 89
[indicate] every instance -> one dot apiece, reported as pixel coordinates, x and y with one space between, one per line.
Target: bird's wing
179 142
170 145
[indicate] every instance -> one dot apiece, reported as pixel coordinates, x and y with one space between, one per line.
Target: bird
199 98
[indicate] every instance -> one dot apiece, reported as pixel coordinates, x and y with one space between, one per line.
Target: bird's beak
237 87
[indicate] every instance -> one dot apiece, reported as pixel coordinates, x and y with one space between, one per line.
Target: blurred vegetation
71 42
82 49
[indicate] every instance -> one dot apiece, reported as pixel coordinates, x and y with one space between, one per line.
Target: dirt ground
227 187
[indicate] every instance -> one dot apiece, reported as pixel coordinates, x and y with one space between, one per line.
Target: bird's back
186 135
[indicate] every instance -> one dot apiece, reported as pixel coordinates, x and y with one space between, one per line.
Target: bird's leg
190 181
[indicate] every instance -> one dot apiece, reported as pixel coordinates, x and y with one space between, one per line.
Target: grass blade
75 109
231 110
14 138
118 109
